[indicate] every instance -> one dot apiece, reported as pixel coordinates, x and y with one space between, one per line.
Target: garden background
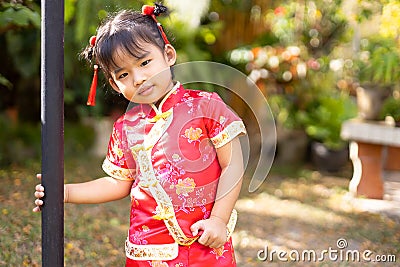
307 57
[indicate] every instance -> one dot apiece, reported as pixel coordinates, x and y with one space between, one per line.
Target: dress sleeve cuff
234 129
117 172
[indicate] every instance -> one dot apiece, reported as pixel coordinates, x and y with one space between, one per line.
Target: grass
94 234
297 209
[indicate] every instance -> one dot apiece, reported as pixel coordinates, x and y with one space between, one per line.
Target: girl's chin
145 99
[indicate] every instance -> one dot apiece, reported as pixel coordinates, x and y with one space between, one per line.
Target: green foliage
379 62
20 23
24 48
5 82
367 8
21 143
324 117
285 111
391 107
318 25
18 15
18 144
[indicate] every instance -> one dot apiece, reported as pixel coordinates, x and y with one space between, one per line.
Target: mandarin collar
169 100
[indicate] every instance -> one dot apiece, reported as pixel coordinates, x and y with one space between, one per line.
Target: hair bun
159 9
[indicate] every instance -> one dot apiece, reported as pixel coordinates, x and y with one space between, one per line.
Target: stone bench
367 142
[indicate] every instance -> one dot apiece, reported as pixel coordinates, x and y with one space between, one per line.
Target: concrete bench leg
392 162
367 170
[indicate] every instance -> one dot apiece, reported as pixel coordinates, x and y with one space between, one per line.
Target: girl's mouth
146 90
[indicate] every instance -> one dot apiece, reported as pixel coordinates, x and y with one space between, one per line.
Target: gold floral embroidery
118 151
185 186
204 94
159 264
164 213
117 172
176 157
231 131
222 119
193 134
145 228
151 252
219 252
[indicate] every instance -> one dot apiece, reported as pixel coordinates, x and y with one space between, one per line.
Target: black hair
127 30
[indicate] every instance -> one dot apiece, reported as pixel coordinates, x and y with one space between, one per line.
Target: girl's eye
123 75
144 63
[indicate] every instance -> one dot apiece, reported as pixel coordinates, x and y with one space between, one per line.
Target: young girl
176 153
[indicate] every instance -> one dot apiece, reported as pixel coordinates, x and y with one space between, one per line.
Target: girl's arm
101 190
230 158
96 191
214 229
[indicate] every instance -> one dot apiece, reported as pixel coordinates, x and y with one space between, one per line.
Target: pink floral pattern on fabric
185 164
185 186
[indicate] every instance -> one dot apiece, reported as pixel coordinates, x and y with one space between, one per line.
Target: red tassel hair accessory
154 11
92 93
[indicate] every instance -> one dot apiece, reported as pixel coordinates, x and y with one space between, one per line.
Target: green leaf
20 16
5 82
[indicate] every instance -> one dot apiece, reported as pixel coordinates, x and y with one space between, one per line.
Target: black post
52 117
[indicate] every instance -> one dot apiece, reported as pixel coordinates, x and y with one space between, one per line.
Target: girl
176 153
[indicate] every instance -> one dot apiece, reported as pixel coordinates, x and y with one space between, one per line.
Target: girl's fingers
39 188
39 194
36 209
204 239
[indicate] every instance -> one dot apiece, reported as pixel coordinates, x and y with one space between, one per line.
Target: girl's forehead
139 52
122 53
136 50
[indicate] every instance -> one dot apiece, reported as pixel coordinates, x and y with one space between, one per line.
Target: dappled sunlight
311 212
268 205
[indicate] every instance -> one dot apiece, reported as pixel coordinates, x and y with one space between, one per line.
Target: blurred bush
20 143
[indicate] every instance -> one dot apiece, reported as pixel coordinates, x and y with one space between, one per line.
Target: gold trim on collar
159 109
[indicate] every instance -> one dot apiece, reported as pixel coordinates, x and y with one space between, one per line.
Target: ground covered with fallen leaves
298 217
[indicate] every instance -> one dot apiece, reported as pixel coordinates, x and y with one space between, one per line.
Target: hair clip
154 11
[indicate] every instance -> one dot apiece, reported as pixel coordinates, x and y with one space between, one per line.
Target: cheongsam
185 164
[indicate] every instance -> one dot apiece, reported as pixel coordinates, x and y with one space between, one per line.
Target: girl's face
146 78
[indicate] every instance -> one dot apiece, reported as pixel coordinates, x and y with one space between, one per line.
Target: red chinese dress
170 154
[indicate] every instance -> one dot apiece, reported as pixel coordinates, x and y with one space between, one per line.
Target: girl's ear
170 54
114 85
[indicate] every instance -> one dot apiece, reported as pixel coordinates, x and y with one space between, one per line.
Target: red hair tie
92 93
149 11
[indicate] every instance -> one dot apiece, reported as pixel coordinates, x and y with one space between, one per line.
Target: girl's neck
161 99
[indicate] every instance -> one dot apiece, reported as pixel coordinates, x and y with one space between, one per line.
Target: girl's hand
39 193
214 232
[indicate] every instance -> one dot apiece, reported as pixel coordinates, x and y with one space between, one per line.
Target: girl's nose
138 78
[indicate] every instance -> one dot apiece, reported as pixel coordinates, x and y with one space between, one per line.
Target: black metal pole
52 117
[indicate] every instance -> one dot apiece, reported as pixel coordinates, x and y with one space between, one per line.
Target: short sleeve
222 124
118 163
